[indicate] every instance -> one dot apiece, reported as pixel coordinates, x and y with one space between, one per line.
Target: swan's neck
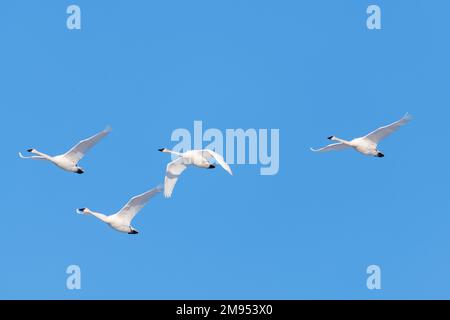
348 143
100 216
43 155
173 152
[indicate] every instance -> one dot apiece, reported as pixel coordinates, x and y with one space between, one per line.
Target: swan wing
208 154
381 133
173 171
129 211
77 152
32 157
332 147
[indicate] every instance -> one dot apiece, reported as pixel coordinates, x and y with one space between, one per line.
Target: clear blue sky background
309 68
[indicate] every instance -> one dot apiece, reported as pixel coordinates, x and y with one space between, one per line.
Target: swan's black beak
161 150
211 166
30 150
81 210
380 155
330 138
133 232
80 171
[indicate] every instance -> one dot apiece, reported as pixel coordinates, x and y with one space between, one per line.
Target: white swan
197 158
69 160
121 221
368 144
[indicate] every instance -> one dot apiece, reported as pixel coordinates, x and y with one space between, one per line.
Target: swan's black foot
380 155
211 166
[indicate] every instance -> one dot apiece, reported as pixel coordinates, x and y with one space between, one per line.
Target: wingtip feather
408 116
228 169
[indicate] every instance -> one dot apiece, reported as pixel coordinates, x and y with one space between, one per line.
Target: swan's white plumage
121 221
208 154
197 158
379 134
173 171
129 211
77 152
368 144
31 157
69 160
332 147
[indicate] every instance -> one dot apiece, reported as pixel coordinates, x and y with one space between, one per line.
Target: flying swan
368 144
121 221
197 158
69 160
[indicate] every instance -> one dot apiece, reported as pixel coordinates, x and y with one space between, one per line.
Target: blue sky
308 68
